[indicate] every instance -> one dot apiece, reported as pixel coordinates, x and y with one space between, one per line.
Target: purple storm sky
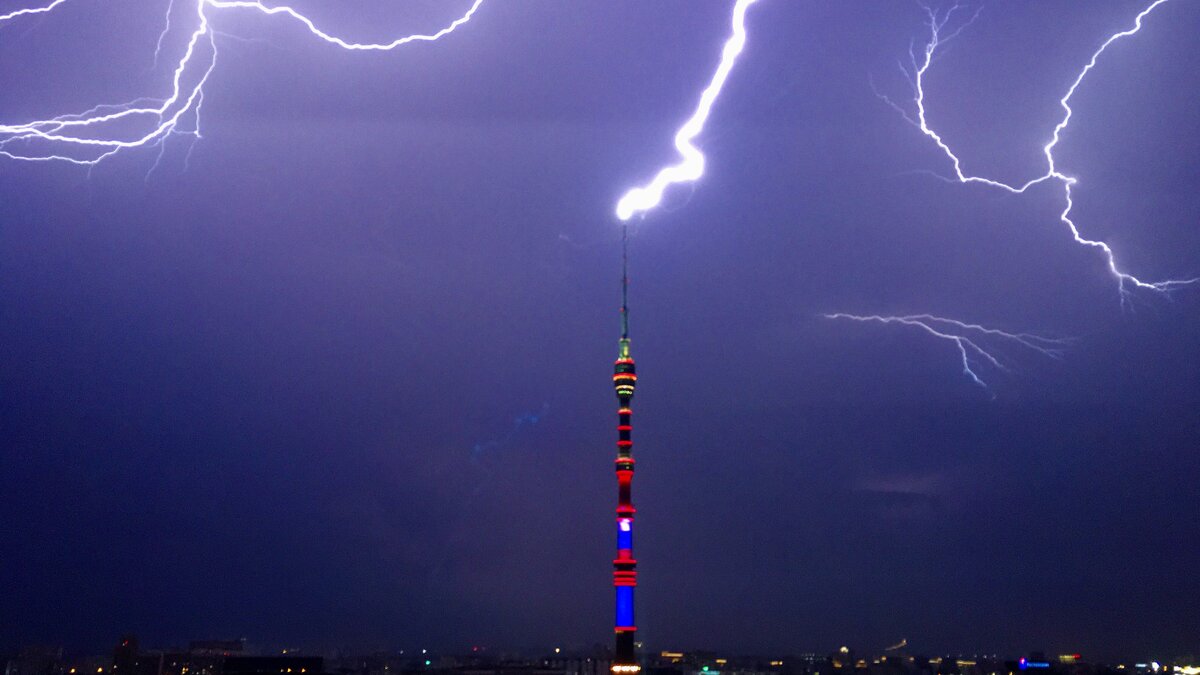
345 379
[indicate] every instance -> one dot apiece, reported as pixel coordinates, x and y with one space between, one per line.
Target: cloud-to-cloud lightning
94 135
916 71
972 340
691 164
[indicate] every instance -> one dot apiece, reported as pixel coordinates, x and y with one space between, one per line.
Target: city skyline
244 657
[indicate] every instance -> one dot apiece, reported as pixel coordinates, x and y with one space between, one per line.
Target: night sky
345 378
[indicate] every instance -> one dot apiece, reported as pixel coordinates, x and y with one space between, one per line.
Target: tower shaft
624 566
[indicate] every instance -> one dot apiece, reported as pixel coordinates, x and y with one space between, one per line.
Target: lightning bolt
31 10
98 133
972 340
916 71
691 164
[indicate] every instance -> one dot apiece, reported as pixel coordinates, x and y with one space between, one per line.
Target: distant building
579 665
125 655
272 665
129 660
203 657
217 647
36 660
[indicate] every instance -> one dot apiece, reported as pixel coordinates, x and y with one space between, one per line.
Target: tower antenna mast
625 281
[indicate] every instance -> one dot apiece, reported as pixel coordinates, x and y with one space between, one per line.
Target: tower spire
625 566
624 281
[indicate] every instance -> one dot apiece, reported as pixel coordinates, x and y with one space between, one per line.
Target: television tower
624 566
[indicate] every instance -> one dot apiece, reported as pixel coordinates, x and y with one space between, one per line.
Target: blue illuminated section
625 606
624 535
